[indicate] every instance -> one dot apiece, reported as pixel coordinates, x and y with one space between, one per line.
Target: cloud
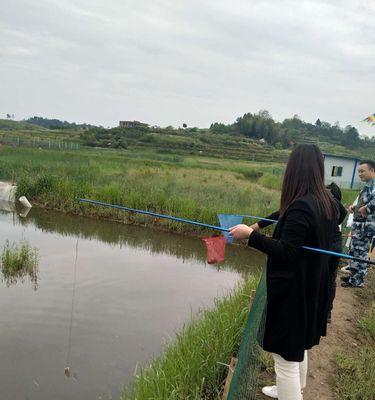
168 62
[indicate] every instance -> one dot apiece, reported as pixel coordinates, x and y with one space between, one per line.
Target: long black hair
305 175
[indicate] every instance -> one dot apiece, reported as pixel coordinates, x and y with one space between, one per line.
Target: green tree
350 136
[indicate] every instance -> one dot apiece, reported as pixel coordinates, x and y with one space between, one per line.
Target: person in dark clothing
337 247
297 280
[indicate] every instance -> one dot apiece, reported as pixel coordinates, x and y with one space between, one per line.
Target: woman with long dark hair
297 280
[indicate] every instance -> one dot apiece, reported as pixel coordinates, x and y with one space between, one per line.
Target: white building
342 170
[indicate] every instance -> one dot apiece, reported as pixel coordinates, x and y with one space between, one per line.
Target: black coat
297 279
337 241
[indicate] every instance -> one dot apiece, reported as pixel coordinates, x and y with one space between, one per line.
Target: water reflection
108 297
8 206
182 247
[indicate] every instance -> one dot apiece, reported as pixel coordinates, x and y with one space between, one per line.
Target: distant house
131 124
342 170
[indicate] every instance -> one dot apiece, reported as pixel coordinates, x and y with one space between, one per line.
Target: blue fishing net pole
215 227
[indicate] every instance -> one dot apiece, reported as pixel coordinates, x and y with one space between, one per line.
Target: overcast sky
169 62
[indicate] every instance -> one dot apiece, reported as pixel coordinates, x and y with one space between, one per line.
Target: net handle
219 228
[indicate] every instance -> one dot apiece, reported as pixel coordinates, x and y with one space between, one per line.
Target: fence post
232 367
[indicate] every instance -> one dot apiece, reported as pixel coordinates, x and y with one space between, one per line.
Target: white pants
290 377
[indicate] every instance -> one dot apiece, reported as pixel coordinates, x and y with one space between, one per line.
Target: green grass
271 181
194 188
24 130
367 323
355 378
191 367
18 261
348 196
9 125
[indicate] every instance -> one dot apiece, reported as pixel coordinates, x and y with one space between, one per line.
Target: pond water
108 297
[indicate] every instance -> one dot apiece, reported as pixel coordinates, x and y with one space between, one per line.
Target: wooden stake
232 367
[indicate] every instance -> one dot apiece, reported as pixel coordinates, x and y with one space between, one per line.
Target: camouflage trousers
359 247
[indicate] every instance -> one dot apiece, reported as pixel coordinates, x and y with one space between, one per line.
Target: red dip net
215 248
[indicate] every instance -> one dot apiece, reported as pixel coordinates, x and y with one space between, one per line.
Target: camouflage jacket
367 198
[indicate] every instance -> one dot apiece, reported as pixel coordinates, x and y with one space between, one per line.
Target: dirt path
342 333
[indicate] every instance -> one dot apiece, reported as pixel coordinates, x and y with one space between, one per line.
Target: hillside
254 137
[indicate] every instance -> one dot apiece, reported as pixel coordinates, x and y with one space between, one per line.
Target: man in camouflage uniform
363 228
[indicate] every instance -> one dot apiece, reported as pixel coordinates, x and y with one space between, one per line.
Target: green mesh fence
245 378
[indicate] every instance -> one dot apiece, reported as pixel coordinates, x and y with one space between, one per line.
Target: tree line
258 126
262 126
49 123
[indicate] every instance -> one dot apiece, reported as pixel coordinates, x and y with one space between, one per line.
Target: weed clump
18 261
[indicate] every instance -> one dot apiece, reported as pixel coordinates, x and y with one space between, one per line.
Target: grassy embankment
190 187
158 172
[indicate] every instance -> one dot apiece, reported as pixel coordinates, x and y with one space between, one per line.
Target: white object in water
23 200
